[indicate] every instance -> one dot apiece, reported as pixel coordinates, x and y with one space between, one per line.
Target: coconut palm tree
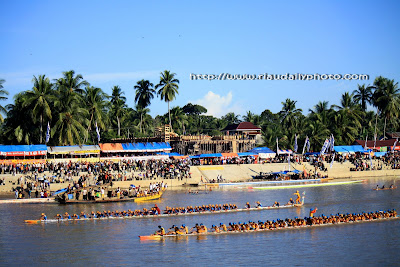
144 118
72 83
387 99
118 110
179 119
290 117
144 95
2 97
118 106
95 102
363 95
168 89
40 99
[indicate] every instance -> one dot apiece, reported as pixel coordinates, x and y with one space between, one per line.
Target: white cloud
218 105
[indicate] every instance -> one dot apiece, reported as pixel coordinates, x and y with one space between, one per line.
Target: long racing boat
168 215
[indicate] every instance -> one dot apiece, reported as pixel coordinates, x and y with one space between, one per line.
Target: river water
116 242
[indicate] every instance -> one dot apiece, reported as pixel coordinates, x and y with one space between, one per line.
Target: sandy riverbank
230 173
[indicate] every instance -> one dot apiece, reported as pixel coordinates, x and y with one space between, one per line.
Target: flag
98 133
333 157
332 143
48 132
365 144
394 145
277 147
295 144
306 144
325 146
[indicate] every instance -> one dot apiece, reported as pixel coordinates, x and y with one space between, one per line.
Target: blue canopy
22 148
214 155
349 149
258 150
244 154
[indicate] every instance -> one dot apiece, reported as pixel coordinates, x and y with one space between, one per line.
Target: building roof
243 126
382 143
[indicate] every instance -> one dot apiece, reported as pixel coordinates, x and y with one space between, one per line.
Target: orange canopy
111 147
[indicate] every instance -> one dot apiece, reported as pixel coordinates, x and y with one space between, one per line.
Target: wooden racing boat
168 215
156 237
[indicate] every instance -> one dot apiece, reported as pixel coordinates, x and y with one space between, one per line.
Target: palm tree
72 113
231 118
290 117
168 89
142 113
2 97
387 99
72 83
179 118
317 133
94 99
144 94
118 109
118 105
40 99
363 95
117 94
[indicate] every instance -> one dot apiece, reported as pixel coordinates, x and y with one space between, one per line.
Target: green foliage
73 107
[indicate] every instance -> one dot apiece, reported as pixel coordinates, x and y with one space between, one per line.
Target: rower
223 226
184 229
377 187
215 228
161 231
258 204
247 205
291 202
58 217
391 186
43 217
83 214
67 216
383 187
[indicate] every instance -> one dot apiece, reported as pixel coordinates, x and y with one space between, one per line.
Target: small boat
156 237
388 188
65 199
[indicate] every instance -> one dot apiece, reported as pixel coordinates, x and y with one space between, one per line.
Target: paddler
247 205
291 202
258 204
43 217
161 231
58 217
184 229
223 227
298 197
67 216
215 228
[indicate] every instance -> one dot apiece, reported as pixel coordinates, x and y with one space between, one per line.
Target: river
116 242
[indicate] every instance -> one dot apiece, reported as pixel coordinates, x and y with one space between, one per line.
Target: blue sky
120 42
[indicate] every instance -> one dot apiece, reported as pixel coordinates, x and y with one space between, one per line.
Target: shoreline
229 173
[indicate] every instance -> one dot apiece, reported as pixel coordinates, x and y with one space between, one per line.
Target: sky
121 42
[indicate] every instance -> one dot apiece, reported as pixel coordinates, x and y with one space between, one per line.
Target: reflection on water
116 241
